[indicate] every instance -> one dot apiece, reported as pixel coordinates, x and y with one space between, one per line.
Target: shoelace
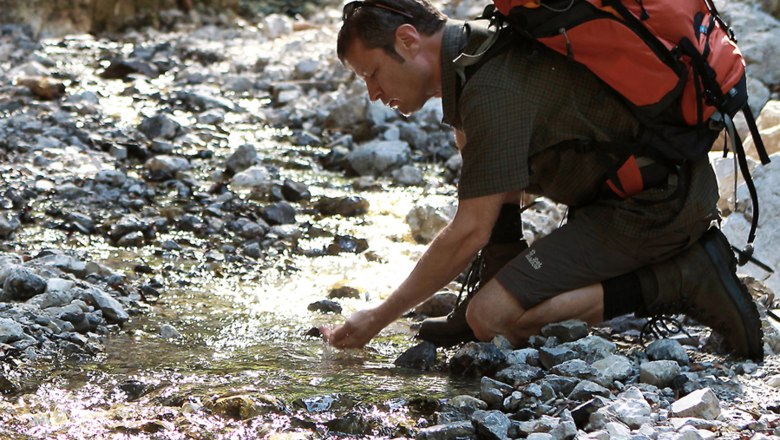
661 326
472 278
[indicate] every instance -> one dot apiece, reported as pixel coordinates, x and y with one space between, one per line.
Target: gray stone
552 356
477 359
491 424
585 390
159 126
164 167
8 224
493 392
408 175
579 369
667 349
244 157
658 373
253 177
615 367
10 331
378 157
420 357
450 431
523 356
21 284
349 206
591 348
280 213
566 331
703 404
428 217
168 331
518 374
112 309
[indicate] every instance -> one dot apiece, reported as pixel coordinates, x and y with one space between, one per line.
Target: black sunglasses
351 7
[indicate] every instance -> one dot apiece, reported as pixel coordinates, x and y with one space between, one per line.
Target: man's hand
356 331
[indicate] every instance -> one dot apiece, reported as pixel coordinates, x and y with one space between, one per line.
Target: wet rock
243 407
121 68
477 359
160 168
58 260
439 304
493 392
658 373
256 176
21 284
159 126
8 225
420 357
428 218
491 424
8 384
377 157
134 389
133 239
168 331
566 331
244 157
667 349
449 431
332 402
280 213
703 404
295 191
460 408
325 306
345 206
346 243
113 311
10 331
352 423
42 87
344 292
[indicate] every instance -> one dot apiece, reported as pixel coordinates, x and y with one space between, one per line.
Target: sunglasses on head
351 7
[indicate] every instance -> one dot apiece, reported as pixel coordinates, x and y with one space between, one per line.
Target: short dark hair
374 22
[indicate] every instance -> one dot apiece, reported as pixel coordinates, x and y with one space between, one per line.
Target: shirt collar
453 41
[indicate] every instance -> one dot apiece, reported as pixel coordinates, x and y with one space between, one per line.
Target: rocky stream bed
180 208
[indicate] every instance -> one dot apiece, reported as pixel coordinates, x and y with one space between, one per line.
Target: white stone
614 367
703 404
428 217
253 177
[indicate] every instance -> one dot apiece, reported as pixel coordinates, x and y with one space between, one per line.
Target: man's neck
432 50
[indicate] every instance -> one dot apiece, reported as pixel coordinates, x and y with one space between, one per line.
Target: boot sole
737 291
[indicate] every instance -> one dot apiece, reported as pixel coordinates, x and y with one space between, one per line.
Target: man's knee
492 311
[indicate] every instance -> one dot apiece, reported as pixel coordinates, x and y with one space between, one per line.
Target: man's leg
494 311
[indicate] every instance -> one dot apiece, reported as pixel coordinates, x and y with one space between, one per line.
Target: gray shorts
582 252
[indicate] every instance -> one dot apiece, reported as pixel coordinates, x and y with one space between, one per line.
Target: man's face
399 85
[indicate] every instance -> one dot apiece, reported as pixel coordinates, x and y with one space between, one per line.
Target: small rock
420 357
491 424
667 349
344 292
462 429
159 126
345 206
703 404
325 306
566 331
477 359
168 331
659 373
10 331
21 284
244 157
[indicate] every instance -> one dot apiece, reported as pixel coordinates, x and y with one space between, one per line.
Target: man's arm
446 257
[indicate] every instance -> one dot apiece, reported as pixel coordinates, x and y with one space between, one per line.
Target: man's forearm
445 258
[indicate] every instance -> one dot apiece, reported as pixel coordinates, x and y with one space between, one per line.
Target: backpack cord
739 152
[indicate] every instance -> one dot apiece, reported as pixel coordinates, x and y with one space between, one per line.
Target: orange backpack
675 63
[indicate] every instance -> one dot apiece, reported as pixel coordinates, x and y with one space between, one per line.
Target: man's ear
407 40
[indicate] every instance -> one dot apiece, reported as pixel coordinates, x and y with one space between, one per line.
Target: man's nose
374 91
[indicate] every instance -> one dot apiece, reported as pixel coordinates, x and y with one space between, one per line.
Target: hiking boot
452 329
701 282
